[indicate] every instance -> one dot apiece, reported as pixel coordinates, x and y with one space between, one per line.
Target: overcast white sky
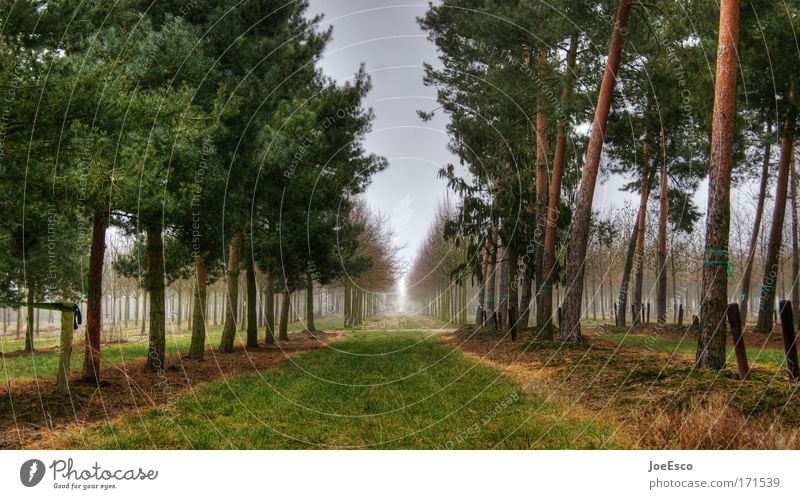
385 36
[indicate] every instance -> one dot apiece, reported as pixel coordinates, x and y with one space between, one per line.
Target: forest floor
33 414
642 381
391 386
364 389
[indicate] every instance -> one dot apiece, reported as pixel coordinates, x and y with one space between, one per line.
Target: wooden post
512 322
789 345
67 328
680 314
735 321
647 320
560 318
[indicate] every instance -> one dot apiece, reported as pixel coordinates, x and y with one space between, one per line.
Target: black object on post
680 314
789 345
735 321
560 318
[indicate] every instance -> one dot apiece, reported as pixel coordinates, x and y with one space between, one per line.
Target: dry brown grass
712 423
655 399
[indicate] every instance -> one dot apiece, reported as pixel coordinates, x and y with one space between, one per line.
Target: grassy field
688 346
43 363
370 389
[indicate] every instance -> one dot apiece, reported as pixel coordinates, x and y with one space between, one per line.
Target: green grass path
368 390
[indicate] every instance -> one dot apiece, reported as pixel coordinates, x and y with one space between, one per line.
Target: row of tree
544 99
204 134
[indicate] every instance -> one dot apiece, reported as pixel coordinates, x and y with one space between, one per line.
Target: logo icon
31 472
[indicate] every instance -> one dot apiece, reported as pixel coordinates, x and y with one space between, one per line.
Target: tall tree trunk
269 313
145 316
744 300
483 291
713 307
542 320
197 346
514 271
491 295
627 269
189 307
545 284
795 250
348 304
283 333
155 281
215 306
772 261
593 295
252 303
310 303
579 232
663 212
525 280
234 261
602 298
638 280
179 291
29 326
94 301
502 283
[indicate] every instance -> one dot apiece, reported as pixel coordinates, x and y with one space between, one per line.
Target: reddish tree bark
795 250
751 254
545 290
663 213
542 317
579 232
155 285
252 302
771 263
94 310
714 302
641 221
624 288
231 316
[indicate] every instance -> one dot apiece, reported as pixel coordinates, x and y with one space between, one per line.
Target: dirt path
32 414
